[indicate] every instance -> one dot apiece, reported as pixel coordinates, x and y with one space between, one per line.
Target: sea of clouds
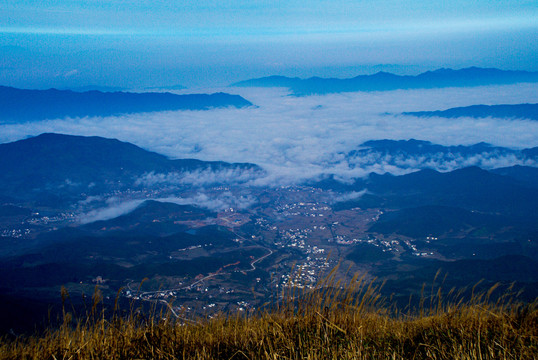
297 138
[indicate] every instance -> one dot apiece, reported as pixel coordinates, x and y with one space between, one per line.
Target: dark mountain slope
470 188
420 147
19 105
525 175
54 161
434 220
518 111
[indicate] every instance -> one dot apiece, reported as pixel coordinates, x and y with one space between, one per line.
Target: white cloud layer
295 138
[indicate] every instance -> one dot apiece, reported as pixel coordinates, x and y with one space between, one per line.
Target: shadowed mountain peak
63 162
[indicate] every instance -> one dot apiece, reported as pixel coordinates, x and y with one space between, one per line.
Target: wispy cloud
354 195
114 207
219 202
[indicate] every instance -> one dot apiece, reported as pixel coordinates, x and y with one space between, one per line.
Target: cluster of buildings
307 274
15 233
303 209
46 220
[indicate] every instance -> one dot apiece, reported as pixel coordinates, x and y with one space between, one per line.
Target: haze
136 44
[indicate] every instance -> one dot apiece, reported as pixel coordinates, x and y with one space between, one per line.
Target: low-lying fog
294 138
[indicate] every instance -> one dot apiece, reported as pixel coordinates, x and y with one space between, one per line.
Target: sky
136 44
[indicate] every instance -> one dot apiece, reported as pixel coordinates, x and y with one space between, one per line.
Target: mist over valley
208 209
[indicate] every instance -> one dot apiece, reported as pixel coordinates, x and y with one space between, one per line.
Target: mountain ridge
511 111
470 188
383 81
57 161
412 154
21 105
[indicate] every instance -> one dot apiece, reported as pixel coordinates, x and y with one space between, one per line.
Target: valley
196 261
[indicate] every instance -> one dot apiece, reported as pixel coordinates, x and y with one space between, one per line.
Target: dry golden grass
334 322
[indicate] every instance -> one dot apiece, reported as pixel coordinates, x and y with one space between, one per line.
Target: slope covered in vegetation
333 322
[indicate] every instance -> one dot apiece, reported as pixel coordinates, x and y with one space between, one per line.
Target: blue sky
134 44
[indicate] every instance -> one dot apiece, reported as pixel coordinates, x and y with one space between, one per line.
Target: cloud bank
298 138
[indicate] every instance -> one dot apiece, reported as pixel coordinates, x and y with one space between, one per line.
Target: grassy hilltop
336 321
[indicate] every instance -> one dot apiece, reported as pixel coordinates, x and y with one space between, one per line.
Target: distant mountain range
167 87
63 164
94 88
518 111
19 105
383 81
417 154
